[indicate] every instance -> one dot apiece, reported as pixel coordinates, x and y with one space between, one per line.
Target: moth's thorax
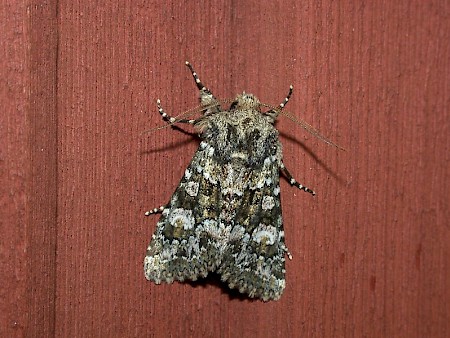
242 133
246 101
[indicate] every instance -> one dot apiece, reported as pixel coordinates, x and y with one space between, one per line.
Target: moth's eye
233 105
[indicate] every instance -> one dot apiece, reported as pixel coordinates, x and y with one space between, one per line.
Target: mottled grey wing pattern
253 260
180 248
224 218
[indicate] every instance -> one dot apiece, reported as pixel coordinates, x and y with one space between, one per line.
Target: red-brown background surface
78 86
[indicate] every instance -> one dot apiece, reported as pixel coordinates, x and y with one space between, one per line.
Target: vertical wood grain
29 178
43 142
14 168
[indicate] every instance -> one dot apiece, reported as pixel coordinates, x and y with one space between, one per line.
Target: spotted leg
292 180
169 119
273 113
207 99
155 210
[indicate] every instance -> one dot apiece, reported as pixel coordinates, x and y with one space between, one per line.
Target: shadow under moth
225 215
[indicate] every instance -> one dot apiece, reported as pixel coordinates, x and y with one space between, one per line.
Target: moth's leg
207 99
169 119
286 99
156 210
275 112
286 250
292 180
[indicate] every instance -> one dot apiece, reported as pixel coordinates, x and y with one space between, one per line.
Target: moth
225 215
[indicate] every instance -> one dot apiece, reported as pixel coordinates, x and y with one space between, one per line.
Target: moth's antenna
310 129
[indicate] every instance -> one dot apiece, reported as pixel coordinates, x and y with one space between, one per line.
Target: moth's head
245 101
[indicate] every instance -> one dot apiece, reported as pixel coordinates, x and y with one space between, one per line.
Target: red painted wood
43 198
14 170
29 169
371 250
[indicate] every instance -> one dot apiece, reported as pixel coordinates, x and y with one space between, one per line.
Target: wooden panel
43 136
371 250
29 163
14 169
